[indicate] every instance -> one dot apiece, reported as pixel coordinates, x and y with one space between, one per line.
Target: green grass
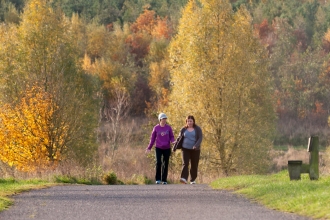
303 197
76 180
10 187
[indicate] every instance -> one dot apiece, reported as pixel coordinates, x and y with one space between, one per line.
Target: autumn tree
116 87
159 75
219 75
43 53
148 44
98 40
29 137
10 10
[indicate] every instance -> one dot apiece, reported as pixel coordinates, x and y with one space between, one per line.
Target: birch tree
219 75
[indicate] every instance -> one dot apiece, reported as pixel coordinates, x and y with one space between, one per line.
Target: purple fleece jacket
162 136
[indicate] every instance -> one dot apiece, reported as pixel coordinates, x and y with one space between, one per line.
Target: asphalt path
172 201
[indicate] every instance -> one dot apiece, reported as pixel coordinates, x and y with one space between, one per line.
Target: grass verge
10 187
303 197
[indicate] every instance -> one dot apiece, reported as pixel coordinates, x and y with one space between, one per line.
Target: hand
194 147
148 151
174 142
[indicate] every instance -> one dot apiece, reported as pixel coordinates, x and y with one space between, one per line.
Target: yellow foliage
159 75
27 132
56 118
87 64
327 36
219 75
98 40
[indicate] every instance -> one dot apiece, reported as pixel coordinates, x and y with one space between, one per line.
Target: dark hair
190 117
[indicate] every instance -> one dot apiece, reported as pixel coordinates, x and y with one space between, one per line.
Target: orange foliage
165 97
263 29
318 108
145 22
139 44
26 132
265 32
326 41
162 29
299 84
279 107
109 27
145 28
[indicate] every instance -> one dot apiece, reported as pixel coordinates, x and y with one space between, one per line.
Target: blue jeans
162 160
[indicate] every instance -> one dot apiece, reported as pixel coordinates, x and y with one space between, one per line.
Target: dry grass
129 161
281 157
325 165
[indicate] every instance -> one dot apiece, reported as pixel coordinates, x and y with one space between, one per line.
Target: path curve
172 201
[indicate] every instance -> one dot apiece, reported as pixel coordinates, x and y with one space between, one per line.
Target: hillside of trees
85 79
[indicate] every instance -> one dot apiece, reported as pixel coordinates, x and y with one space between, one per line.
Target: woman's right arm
152 139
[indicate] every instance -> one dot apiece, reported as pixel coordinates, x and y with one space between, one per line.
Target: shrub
110 178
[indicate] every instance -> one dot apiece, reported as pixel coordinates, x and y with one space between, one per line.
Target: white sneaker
193 182
183 180
158 182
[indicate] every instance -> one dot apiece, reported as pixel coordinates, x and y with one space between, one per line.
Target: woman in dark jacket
192 138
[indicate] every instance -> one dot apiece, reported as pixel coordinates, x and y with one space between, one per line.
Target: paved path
173 201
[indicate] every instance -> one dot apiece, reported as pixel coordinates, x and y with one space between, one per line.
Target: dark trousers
162 160
193 157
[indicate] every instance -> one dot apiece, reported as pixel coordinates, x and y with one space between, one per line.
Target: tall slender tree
219 74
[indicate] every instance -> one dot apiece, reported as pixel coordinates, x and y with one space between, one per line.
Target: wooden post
313 150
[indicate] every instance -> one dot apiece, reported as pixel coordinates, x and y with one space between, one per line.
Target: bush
111 178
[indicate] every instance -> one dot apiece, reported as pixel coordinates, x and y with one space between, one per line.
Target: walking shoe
183 180
164 183
193 182
158 182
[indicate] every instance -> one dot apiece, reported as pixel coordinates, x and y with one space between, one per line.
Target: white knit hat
161 116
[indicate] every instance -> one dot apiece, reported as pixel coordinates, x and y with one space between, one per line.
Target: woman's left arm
200 138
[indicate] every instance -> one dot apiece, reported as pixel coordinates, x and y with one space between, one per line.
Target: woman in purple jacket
162 134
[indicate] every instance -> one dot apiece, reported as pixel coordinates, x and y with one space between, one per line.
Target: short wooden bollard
296 167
